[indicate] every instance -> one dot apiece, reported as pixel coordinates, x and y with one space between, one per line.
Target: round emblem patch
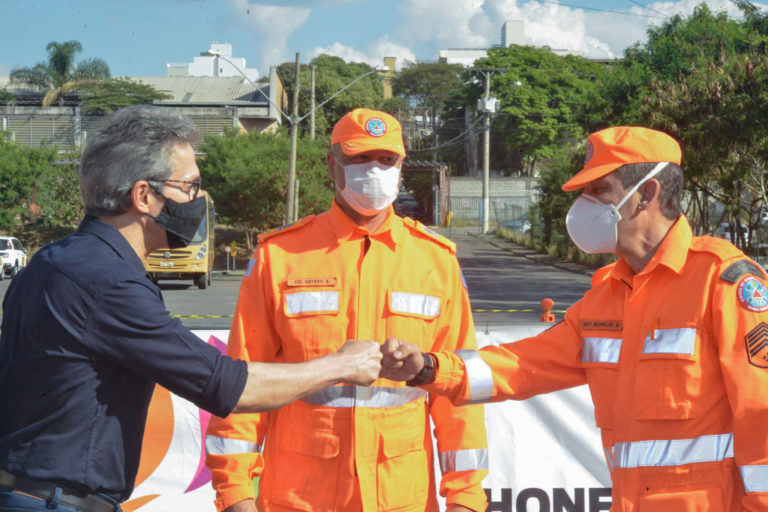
375 127
753 294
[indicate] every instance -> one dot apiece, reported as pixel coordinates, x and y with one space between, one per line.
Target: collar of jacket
391 232
114 239
672 253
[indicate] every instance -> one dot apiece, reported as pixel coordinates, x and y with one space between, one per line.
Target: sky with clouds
138 37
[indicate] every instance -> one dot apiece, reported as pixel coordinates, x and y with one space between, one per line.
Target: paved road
499 276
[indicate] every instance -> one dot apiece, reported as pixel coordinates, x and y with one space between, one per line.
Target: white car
12 255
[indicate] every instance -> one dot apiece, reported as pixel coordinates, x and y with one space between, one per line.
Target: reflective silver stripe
302 302
415 304
463 460
251 264
479 375
671 341
675 452
600 350
224 446
362 396
755 478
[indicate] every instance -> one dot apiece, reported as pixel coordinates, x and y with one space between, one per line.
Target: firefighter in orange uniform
355 270
672 340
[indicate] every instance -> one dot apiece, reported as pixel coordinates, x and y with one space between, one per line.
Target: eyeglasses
191 190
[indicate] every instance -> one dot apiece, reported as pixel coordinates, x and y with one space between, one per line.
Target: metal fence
509 211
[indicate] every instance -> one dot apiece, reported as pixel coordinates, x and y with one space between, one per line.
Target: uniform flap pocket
599 351
414 304
398 442
319 444
677 343
311 302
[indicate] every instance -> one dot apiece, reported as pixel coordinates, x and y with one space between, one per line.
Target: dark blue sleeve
130 326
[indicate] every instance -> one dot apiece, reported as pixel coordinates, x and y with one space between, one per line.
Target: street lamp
294 120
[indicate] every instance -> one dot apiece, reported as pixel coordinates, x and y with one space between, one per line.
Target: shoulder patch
752 294
757 345
740 268
418 227
286 228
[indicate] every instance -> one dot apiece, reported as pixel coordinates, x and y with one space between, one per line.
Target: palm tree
60 75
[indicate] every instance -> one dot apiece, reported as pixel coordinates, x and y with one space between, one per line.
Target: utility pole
290 215
312 102
487 105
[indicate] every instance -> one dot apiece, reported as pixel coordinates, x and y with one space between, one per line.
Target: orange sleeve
233 444
460 431
740 322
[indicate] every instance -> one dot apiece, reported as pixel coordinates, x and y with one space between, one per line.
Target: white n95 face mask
592 224
370 187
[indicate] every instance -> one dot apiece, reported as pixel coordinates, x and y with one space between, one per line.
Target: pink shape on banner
202 475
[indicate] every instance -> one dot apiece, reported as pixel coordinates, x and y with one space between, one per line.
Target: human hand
401 360
363 361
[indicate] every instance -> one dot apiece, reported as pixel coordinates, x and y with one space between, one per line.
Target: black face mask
181 220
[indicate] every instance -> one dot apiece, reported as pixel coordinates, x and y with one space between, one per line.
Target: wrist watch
427 373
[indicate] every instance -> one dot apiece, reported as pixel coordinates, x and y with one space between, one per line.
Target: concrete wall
509 198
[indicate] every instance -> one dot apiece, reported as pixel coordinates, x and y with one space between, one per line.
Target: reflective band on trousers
671 341
361 396
224 446
479 376
600 350
463 460
755 478
675 452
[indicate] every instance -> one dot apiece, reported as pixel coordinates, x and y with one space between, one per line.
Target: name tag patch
602 325
312 281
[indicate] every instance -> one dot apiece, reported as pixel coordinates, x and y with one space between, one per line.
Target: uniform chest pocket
600 358
310 323
412 316
669 375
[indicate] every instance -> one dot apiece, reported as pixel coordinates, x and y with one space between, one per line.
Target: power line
625 13
649 8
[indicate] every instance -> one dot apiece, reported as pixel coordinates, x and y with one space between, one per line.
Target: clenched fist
401 360
363 361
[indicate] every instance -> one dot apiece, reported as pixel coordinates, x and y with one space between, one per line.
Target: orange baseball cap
364 130
609 149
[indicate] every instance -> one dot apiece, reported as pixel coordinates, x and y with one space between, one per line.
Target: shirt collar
672 253
113 238
344 228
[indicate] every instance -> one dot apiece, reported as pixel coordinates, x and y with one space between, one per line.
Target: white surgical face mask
592 224
370 187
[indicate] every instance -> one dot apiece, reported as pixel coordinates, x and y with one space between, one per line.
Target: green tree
543 103
20 169
331 75
106 96
57 193
246 175
59 75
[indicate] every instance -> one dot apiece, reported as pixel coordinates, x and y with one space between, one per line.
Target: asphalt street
506 284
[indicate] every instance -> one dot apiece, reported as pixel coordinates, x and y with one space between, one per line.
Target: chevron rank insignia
757 345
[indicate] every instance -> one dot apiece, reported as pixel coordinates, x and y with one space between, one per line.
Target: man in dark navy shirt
85 334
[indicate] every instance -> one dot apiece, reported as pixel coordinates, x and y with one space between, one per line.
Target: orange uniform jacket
308 289
676 359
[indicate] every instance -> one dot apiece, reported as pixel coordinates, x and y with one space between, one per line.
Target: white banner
545 452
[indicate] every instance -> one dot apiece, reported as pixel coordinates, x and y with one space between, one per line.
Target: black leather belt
46 490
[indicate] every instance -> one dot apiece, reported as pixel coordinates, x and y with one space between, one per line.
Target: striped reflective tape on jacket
225 446
415 304
600 350
479 376
755 478
305 302
361 396
670 341
673 452
463 460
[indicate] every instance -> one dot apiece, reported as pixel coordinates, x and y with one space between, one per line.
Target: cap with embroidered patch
609 149
364 130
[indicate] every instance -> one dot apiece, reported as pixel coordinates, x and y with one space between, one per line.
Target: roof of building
207 90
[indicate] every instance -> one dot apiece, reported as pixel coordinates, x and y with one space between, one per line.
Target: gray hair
670 180
132 144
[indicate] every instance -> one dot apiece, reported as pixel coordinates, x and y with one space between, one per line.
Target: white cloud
269 27
373 54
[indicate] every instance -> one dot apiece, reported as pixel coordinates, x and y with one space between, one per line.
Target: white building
512 32
212 66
